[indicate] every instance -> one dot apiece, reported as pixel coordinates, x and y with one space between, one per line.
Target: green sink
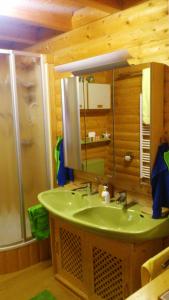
111 220
128 224
111 217
60 200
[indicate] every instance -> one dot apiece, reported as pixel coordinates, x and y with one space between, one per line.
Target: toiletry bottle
106 195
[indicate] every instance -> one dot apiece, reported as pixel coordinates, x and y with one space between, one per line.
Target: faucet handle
122 196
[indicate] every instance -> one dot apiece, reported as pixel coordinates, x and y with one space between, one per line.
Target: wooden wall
142 29
24 256
127 90
166 100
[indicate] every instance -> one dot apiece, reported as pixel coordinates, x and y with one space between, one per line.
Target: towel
166 158
39 220
146 83
57 153
64 174
160 182
152 267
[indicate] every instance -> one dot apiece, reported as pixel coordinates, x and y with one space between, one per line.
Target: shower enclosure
24 142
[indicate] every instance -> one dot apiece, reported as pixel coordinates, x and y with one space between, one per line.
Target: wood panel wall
128 86
142 30
24 256
166 100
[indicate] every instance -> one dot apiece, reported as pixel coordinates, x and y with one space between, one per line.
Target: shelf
96 142
94 111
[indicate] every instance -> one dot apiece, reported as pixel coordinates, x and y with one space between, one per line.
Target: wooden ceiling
26 22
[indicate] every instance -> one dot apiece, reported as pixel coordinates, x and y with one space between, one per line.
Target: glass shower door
32 131
10 222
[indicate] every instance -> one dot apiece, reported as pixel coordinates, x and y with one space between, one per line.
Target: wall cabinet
94 95
99 96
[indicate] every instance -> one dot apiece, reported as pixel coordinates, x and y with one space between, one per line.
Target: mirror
96 122
116 121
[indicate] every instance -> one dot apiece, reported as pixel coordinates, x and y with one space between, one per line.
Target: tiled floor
25 284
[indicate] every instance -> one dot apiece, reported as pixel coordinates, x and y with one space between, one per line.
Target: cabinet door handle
99 105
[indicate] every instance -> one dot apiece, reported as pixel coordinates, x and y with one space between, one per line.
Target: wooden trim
24 256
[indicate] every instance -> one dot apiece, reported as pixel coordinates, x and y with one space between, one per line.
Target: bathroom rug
45 295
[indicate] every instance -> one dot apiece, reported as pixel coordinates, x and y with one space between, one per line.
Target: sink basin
125 224
111 217
111 220
64 201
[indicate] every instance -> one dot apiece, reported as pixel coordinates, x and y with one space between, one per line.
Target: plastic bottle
106 195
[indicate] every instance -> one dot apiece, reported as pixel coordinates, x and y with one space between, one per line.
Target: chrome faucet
89 188
87 185
122 198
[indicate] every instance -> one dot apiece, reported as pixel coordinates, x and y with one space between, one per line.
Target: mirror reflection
111 119
96 122
114 110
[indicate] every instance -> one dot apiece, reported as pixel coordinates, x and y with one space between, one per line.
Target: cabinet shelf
96 142
89 112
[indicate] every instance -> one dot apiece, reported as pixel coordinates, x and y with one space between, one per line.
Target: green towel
39 220
45 295
57 153
166 158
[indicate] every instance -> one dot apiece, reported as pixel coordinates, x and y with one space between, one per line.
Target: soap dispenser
106 194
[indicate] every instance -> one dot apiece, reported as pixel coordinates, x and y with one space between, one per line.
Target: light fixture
7 5
97 63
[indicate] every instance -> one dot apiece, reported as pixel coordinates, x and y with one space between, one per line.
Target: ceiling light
97 63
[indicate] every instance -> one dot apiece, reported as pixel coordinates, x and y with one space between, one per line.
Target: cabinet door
99 96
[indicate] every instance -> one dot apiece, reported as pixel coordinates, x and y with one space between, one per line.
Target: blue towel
160 182
64 174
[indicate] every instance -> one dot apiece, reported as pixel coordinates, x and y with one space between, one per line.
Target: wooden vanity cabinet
96 267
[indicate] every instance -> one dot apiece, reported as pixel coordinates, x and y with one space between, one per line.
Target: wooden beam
109 6
13 38
129 3
87 15
16 32
57 21
139 29
45 33
108 33
12 45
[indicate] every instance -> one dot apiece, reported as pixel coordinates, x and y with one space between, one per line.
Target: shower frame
46 126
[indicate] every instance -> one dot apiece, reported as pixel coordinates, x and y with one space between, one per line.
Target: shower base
20 256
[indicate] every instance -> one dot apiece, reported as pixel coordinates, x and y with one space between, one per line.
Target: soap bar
164 296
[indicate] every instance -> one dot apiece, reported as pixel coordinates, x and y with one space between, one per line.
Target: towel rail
144 146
